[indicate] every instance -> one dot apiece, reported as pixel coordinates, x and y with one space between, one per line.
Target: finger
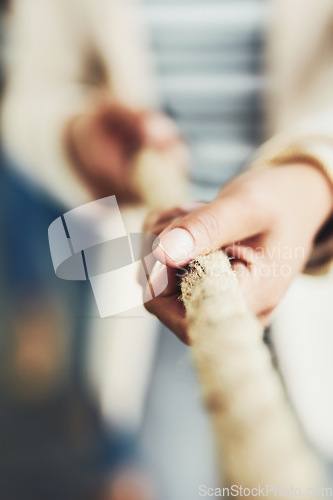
243 274
171 312
208 228
159 217
162 282
124 124
261 285
265 318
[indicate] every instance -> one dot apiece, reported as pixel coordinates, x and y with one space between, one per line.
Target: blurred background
110 408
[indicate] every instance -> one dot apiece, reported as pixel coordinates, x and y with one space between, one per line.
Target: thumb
212 226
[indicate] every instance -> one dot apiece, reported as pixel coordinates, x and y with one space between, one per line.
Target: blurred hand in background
105 142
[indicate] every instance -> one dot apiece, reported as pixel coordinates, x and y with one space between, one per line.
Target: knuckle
184 336
207 228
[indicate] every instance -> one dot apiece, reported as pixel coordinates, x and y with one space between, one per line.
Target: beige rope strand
157 180
256 432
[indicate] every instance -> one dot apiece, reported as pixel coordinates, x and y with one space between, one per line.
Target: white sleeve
45 60
118 30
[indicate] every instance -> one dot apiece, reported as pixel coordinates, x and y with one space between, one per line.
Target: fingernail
159 278
177 244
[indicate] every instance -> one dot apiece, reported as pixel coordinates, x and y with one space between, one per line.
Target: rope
256 432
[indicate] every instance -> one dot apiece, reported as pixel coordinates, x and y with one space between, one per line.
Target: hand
104 142
266 220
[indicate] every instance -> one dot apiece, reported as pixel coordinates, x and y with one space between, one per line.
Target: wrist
322 200
315 190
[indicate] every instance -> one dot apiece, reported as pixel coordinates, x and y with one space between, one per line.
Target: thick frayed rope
256 432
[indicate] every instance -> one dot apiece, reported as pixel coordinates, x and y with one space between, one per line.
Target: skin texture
266 220
104 142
